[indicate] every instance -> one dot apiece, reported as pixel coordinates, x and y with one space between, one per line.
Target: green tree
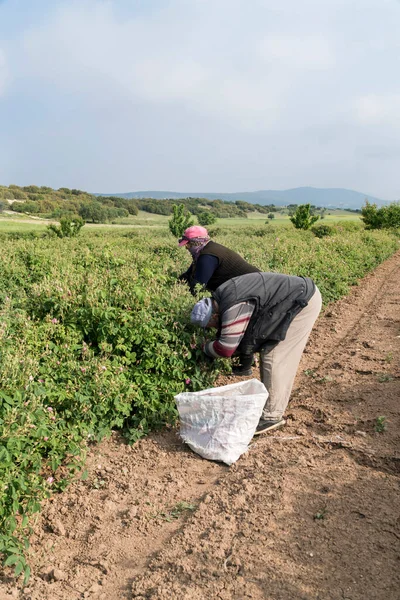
7 194
392 215
25 207
33 189
386 217
69 226
2 206
181 219
18 194
371 216
271 216
206 218
302 218
94 212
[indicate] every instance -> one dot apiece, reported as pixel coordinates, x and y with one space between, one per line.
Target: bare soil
309 512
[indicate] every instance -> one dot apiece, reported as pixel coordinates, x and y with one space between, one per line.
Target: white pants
278 367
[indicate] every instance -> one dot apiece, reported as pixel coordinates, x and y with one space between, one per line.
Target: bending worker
212 265
270 313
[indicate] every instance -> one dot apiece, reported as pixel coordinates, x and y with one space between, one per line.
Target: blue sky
200 95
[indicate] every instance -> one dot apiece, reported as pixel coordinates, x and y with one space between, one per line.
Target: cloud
177 56
308 52
259 70
375 109
227 94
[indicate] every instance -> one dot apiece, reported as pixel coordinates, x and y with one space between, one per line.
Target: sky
201 95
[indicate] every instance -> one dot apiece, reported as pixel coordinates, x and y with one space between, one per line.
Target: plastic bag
218 423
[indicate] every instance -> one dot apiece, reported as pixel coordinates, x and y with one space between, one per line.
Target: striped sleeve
233 326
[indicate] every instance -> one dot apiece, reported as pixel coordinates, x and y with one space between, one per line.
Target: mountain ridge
326 197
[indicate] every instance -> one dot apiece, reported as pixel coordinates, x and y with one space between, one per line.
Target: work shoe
266 425
240 371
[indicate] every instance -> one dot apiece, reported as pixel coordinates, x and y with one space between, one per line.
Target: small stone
234 562
311 554
94 588
46 574
361 433
301 431
58 575
59 528
104 566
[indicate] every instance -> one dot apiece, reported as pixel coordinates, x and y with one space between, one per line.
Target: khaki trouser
279 366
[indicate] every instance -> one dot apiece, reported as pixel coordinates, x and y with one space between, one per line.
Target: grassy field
8 225
255 218
19 222
259 219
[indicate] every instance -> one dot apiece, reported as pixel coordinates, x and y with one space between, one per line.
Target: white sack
219 423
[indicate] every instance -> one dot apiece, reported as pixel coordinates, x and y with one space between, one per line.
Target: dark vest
278 299
230 264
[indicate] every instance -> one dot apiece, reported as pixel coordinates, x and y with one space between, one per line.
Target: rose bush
95 335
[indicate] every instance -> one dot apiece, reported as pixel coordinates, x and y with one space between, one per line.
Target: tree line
65 202
74 204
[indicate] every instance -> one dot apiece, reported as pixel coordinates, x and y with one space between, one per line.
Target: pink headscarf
197 245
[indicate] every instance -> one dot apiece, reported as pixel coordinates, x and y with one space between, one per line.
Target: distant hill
327 197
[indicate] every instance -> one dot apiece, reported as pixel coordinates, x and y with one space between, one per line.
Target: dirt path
310 512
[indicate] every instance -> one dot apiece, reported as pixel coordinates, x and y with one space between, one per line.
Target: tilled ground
310 512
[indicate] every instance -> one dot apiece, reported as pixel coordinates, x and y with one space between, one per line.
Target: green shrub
69 226
103 341
322 230
302 218
261 232
206 218
180 220
386 217
213 232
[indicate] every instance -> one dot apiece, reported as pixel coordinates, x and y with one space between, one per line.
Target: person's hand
208 359
183 276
